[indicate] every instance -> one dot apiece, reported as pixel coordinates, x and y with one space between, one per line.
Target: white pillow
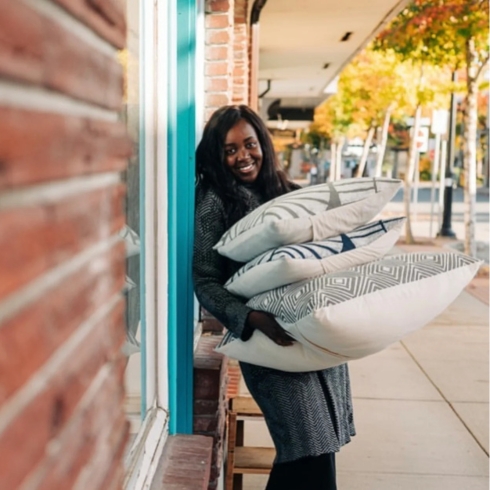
310 214
293 263
355 313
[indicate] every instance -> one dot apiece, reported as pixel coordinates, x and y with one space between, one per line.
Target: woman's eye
252 144
230 151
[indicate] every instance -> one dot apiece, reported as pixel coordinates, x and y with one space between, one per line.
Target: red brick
37 146
116 472
241 11
234 376
106 17
76 446
240 36
205 424
205 356
75 68
217 5
208 370
205 407
217 84
206 384
217 100
239 54
49 234
29 338
186 463
239 71
24 441
36 49
217 21
217 53
106 448
217 36
211 325
21 46
216 69
208 113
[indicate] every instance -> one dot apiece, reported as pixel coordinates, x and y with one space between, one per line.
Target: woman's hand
267 324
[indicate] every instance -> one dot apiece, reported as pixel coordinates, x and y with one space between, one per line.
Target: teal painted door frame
181 177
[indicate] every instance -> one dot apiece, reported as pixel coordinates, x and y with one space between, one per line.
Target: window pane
131 116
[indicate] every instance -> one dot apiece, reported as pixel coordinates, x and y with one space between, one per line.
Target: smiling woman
236 149
309 415
243 152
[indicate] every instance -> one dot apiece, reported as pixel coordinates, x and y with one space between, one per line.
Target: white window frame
144 455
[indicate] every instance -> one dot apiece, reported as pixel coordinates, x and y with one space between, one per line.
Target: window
134 292
145 114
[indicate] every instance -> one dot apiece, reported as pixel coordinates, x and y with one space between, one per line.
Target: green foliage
436 31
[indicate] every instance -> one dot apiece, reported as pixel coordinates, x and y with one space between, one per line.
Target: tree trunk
384 140
410 171
333 164
340 147
470 137
365 151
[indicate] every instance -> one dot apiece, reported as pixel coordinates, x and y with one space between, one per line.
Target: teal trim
181 148
142 195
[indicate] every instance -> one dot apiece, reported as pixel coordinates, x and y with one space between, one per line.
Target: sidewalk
421 406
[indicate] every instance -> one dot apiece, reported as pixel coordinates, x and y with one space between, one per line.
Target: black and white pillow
292 263
352 314
310 214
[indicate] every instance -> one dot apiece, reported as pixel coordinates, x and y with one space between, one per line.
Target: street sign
422 140
439 121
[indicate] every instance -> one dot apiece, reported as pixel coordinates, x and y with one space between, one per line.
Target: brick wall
62 425
226 52
240 53
210 401
218 68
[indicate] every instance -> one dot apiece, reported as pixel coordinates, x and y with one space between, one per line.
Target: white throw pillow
355 313
310 214
293 263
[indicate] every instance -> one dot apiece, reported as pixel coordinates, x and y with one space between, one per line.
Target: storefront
164 117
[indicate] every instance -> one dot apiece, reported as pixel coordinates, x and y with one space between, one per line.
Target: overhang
305 44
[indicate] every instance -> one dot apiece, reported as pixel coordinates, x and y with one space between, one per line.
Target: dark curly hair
212 171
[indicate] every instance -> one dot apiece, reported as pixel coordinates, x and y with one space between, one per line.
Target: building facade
107 367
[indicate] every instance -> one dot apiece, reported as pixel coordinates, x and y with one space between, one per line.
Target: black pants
315 473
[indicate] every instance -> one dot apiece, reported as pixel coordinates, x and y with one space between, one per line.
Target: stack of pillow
314 260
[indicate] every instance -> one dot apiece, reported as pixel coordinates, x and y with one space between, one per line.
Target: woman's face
243 154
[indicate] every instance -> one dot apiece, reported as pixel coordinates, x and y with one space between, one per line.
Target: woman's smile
243 153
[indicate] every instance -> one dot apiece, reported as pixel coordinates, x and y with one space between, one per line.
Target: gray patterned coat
308 414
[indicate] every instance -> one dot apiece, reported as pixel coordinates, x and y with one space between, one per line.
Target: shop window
130 58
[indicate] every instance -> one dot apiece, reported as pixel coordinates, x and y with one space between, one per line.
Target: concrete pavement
421 406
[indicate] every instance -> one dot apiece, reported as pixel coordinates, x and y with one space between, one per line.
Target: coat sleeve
210 269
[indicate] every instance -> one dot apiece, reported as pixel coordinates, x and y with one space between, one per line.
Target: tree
370 90
333 121
452 33
375 85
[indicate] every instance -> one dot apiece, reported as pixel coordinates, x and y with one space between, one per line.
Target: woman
309 415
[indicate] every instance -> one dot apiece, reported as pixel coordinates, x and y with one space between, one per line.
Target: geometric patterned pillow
292 263
306 215
354 313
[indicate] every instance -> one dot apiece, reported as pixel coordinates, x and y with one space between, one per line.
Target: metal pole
441 185
416 184
446 230
435 170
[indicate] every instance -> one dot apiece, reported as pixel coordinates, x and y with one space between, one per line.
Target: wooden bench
244 459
